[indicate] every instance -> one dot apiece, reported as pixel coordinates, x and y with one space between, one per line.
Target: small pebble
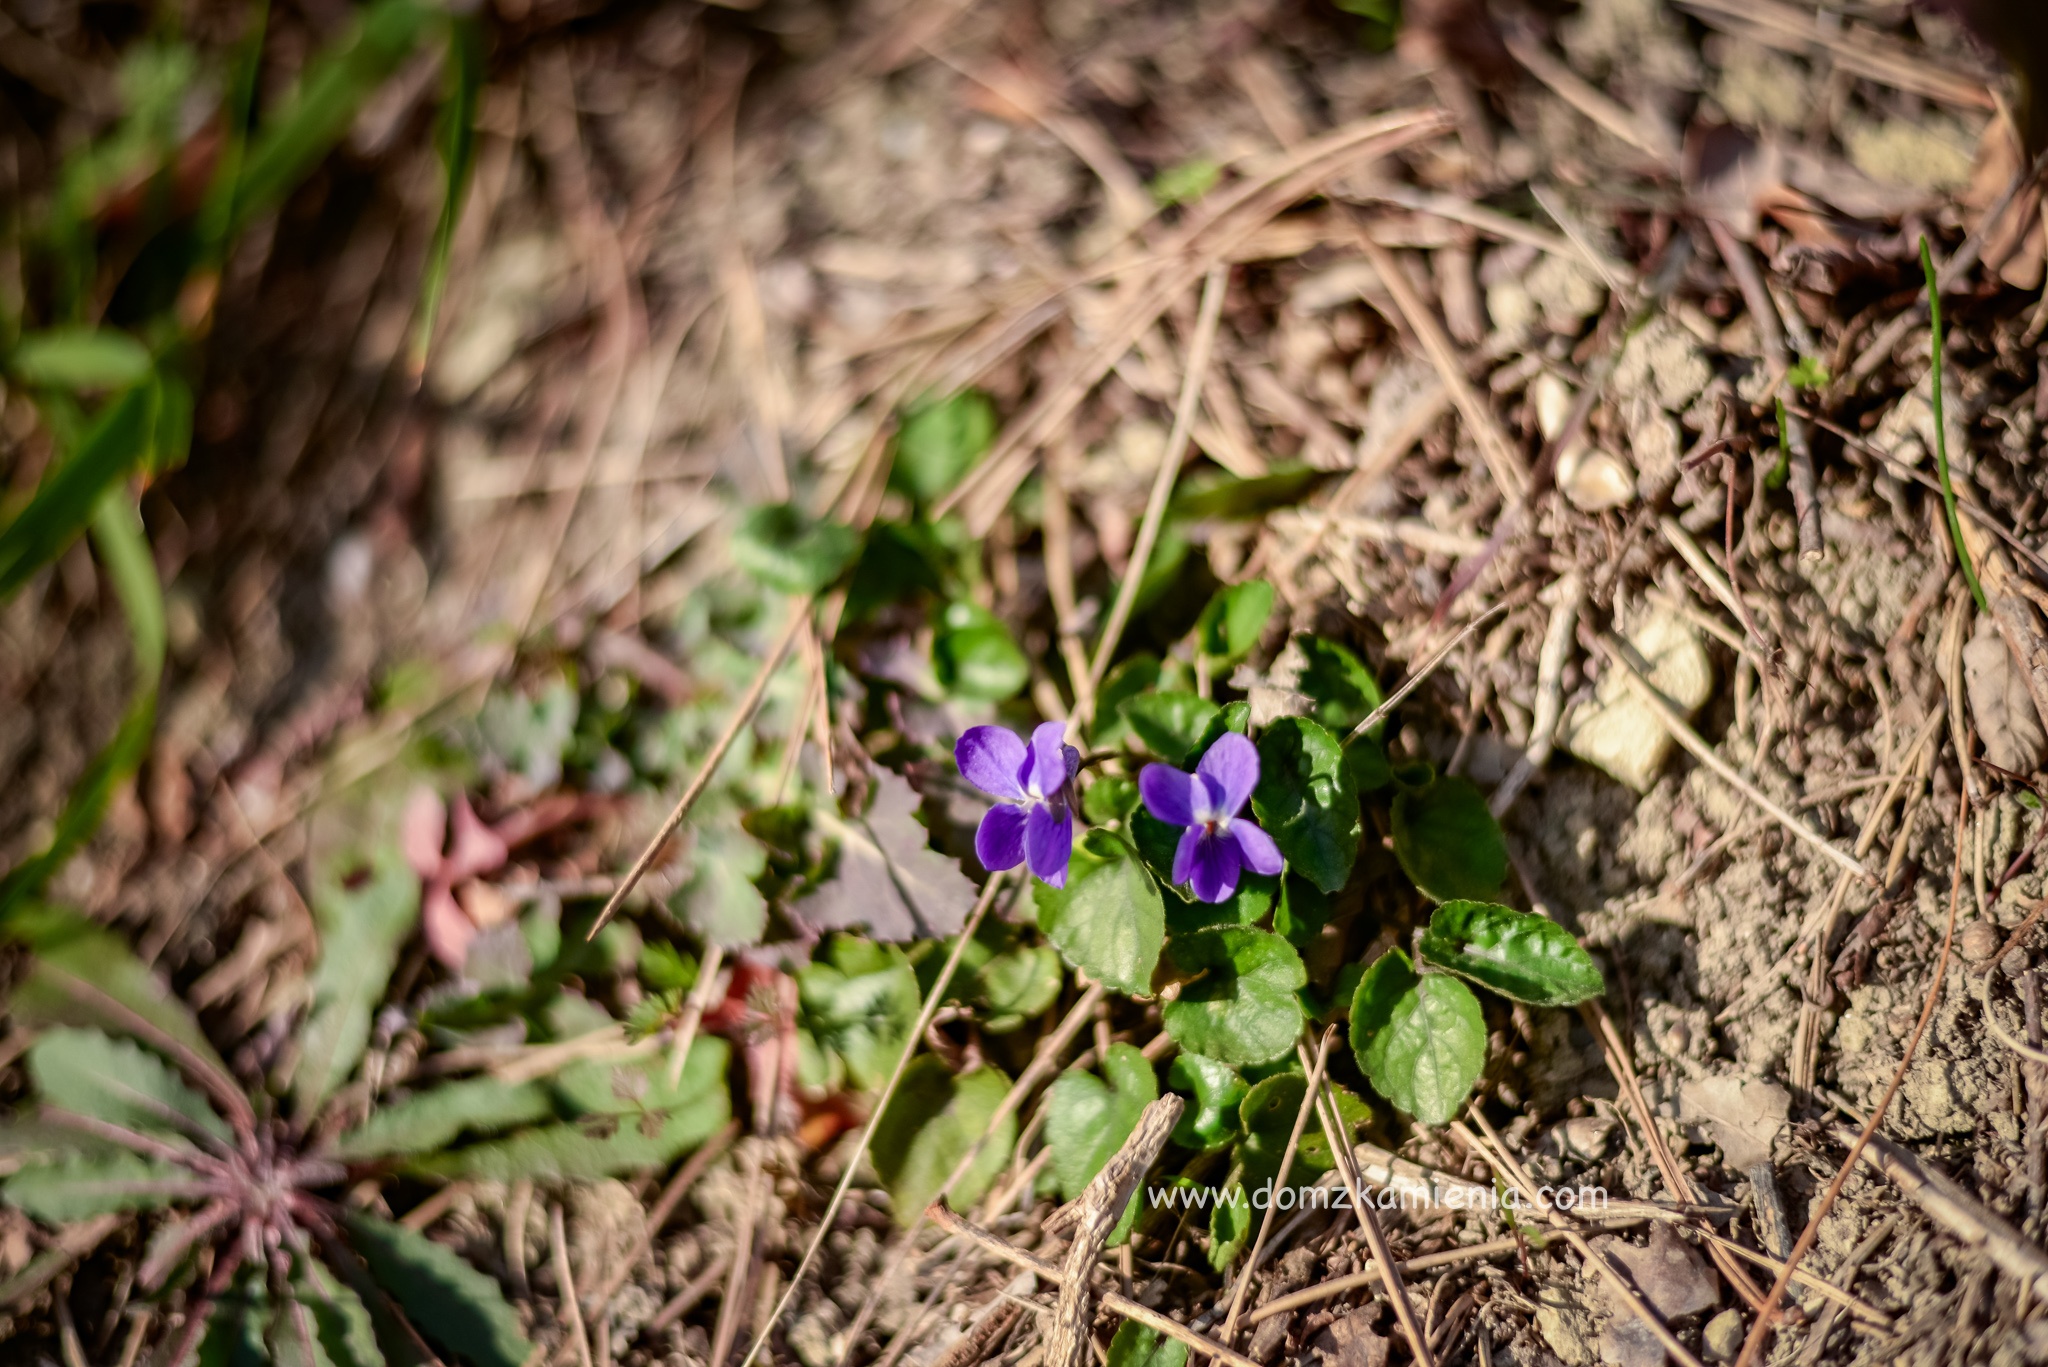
1979 941
1723 1337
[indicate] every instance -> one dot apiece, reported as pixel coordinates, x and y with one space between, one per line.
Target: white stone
1618 730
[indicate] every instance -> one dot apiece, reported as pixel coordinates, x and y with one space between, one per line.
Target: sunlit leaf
1230 626
1420 1039
365 903
1108 921
939 442
975 657
118 1081
81 1187
1237 998
79 358
786 550
1518 954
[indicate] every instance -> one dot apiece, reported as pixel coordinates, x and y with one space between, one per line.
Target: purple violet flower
1033 819
1218 843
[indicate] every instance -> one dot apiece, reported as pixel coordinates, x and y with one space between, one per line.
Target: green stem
1948 492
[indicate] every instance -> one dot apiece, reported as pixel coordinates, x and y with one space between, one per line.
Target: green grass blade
117 532
217 213
457 138
335 87
113 447
1948 492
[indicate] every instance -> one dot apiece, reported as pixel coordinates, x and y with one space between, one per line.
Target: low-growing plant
250 1186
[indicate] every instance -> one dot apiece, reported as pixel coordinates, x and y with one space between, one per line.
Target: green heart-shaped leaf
1421 1040
1087 1120
1108 921
975 657
1306 801
1448 842
1170 723
1237 998
1109 798
934 1119
1130 679
1229 627
1518 954
1343 689
783 548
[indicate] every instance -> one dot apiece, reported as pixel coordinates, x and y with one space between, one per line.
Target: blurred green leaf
81 1187
720 902
1184 184
531 736
1342 688
939 442
455 1306
1305 801
456 141
859 1001
1171 723
1518 954
114 446
897 564
336 85
1127 680
365 902
931 1123
1448 841
346 1332
1230 625
975 656
432 1120
1200 497
1237 997
1420 1039
1138 1345
1108 921
79 358
117 532
115 1080
786 550
665 968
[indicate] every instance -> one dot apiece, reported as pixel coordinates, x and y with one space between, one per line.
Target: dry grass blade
1301 1115
1199 350
1331 1116
1754 1347
1115 1302
1682 732
1510 472
743 714
910 1046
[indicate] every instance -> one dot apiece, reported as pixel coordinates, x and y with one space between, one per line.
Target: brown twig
1101 1207
1113 1301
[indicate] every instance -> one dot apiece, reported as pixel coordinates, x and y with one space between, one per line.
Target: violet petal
1169 795
1216 868
1047 771
1260 854
1232 765
999 840
1049 840
992 759
1184 854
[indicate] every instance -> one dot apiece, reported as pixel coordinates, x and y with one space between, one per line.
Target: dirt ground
709 255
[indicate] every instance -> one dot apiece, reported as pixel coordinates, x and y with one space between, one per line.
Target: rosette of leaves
134 1111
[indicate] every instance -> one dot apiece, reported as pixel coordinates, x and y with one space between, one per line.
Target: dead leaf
1352 1342
2000 704
1744 1115
1674 1279
889 878
2013 246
